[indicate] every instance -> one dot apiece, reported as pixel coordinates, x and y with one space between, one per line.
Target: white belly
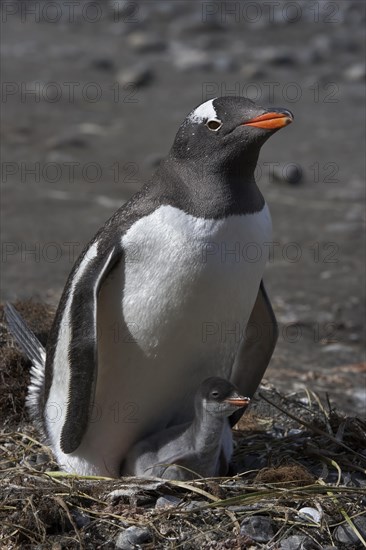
188 286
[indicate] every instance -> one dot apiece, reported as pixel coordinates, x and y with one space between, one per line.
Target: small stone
320 48
345 534
298 542
224 63
187 59
90 128
294 431
166 11
193 504
278 56
167 501
132 537
124 10
356 73
311 514
142 42
333 347
138 76
251 461
291 173
252 71
258 528
21 135
81 519
103 64
42 458
71 138
359 479
193 24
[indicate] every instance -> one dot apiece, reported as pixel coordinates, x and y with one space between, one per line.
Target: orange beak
238 401
271 120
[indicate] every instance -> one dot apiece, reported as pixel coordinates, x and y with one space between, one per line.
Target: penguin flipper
255 351
79 311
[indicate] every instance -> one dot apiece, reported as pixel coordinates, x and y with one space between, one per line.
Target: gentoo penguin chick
160 298
202 447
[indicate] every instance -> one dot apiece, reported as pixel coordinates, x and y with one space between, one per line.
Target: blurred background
92 96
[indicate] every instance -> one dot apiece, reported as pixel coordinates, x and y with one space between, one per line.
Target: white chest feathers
187 273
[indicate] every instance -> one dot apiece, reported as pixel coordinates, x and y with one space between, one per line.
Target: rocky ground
91 100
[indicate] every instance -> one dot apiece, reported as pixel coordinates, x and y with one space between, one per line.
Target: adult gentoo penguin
160 299
203 447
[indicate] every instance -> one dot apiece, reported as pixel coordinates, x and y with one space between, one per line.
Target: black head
219 397
224 130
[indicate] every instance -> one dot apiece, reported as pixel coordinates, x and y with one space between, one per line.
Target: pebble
71 138
359 479
251 461
320 48
224 63
258 528
334 347
139 76
103 64
125 11
21 135
193 24
167 501
294 431
194 504
36 461
345 534
81 519
298 542
132 537
291 173
142 42
165 11
252 72
311 514
279 57
356 73
42 458
188 59
90 128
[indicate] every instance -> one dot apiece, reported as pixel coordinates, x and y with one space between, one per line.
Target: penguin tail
36 353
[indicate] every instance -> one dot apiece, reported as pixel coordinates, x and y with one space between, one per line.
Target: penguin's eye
215 393
214 124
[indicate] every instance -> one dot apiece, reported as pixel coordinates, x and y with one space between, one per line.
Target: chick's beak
238 401
271 120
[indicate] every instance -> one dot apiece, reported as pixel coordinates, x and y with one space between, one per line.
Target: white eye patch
204 112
